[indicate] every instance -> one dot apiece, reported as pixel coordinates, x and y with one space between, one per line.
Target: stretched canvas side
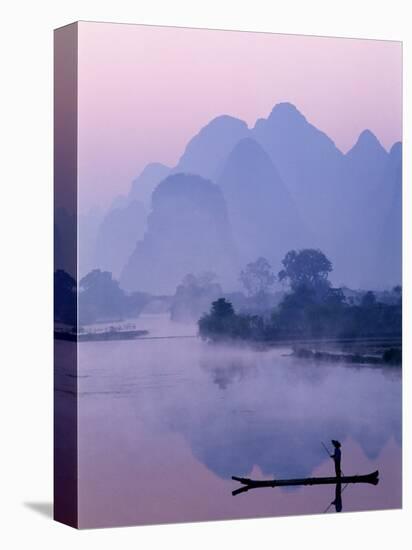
65 276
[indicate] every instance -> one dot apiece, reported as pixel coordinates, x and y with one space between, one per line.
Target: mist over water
165 423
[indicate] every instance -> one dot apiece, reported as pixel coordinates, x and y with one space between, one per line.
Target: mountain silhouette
362 199
188 232
144 185
309 164
365 163
88 229
118 233
207 151
264 218
282 184
389 245
341 198
125 221
308 161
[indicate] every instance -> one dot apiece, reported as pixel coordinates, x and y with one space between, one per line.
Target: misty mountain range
238 193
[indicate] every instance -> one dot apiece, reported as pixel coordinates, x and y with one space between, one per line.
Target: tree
312 304
101 298
308 268
257 277
222 309
397 291
335 297
222 323
219 323
368 299
193 296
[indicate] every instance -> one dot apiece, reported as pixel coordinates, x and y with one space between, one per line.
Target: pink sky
145 91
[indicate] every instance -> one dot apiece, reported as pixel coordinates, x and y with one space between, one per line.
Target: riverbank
390 357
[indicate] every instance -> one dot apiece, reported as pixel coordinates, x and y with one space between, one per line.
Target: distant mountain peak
188 231
283 116
153 167
225 120
367 136
143 186
207 150
367 142
396 149
285 108
249 154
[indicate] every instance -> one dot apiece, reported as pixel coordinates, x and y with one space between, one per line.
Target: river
164 424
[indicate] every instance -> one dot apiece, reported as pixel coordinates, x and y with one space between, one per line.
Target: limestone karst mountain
144 185
206 152
188 232
88 229
388 254
282 184
263 216
341 198
367 160
114 238
118 233
308 161
364 196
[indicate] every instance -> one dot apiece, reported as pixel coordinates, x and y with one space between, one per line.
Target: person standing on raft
337 456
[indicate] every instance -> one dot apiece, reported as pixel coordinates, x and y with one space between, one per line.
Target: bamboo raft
372 478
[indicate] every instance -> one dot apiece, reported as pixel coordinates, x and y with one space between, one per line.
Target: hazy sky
145 91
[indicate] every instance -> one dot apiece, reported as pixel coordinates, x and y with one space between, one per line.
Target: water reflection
338 480
337 503
163 420
275 413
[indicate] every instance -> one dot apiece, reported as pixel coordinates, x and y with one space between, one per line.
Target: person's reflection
337 457
338 498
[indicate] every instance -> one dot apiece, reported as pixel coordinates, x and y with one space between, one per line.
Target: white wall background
26 292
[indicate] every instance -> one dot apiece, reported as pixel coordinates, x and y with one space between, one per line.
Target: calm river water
165 423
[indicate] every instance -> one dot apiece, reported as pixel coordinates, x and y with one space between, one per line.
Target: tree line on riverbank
99 298
311 308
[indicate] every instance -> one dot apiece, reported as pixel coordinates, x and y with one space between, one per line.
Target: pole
326 449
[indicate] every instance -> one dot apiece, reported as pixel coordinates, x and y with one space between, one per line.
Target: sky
144 91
